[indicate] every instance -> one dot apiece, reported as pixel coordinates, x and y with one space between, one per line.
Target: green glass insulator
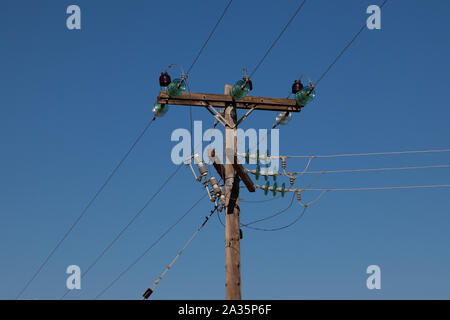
257 172
266 176
283 189
239 93
266 188
174 89
274 177
302 96
257 156
160 109
274 190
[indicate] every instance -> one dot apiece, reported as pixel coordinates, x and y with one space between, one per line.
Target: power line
307 188
380 188
271 216
198 56
150 290
380 169
127 226
359 154
128 268
304 205
209 37
283 227
345 49
190 121
351 170
86 208
278 38
220 220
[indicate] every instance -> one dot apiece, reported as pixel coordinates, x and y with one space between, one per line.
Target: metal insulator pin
291 180
283 163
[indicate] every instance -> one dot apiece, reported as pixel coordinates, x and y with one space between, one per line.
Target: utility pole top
223 100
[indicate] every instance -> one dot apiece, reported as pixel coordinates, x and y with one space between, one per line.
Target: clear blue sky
71 103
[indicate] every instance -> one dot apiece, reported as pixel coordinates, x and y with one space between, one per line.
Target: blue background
71 103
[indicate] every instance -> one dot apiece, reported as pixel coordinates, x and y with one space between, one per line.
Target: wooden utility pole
232 172
232 212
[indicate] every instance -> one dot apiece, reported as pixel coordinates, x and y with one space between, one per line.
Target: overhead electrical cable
271 216
150 290
364 26
283 227
277 38
83 212
380 188
294 173
109 246
360 154
210 36
355 188
150 247
198 56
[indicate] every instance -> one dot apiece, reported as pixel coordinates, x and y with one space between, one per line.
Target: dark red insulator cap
250 84
164 79
297 86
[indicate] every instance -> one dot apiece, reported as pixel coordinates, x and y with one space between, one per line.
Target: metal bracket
218 116
245 115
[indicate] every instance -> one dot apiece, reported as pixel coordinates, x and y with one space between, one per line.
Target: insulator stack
283 189
292 180
215 186
222 199
299 196
213 197
283 163
266 188
257 172
201 166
